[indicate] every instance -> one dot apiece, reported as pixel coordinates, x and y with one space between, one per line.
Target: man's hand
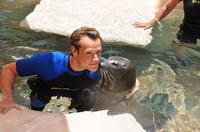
6 105
7 80
145 25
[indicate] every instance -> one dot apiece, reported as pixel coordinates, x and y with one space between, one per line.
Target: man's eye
88 53
99 52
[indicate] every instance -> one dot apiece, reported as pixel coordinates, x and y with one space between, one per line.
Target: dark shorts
186 35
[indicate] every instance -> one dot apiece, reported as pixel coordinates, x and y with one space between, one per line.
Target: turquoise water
185 62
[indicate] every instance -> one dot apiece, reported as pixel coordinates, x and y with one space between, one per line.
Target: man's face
89 54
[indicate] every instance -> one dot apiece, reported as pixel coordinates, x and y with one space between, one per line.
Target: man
57 74
57 69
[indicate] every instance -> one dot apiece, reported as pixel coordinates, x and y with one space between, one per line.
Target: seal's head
118 74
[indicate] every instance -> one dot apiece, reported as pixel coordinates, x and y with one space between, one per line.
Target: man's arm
161 13
7 80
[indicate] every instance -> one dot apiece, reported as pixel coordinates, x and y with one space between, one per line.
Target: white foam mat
112 18
100 121
33 121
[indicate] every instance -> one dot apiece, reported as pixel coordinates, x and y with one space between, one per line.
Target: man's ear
74 51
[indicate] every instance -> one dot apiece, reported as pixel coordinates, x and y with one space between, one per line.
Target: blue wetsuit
53 68
55 75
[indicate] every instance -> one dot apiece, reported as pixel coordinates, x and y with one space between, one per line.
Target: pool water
185 62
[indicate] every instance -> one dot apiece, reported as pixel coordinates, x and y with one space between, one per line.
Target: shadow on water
169 78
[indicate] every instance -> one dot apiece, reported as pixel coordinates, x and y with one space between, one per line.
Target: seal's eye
114 63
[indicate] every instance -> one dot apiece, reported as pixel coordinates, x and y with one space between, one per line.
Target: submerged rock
59 105
159 94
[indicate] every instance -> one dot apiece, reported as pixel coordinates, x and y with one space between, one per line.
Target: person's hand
145 25
6 105
134 89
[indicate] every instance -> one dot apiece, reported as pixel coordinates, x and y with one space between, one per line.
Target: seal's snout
103 61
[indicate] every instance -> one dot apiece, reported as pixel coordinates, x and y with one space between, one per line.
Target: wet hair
77 35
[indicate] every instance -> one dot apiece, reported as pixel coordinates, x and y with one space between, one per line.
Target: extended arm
162 13
7 80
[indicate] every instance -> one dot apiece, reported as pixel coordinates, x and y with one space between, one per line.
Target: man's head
86 48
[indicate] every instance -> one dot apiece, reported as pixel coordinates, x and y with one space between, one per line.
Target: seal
118 76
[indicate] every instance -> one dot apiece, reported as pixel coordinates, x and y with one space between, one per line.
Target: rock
59 105
160 94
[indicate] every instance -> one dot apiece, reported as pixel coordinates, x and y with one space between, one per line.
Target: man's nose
96 57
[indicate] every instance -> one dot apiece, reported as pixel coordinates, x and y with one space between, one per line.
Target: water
16 43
